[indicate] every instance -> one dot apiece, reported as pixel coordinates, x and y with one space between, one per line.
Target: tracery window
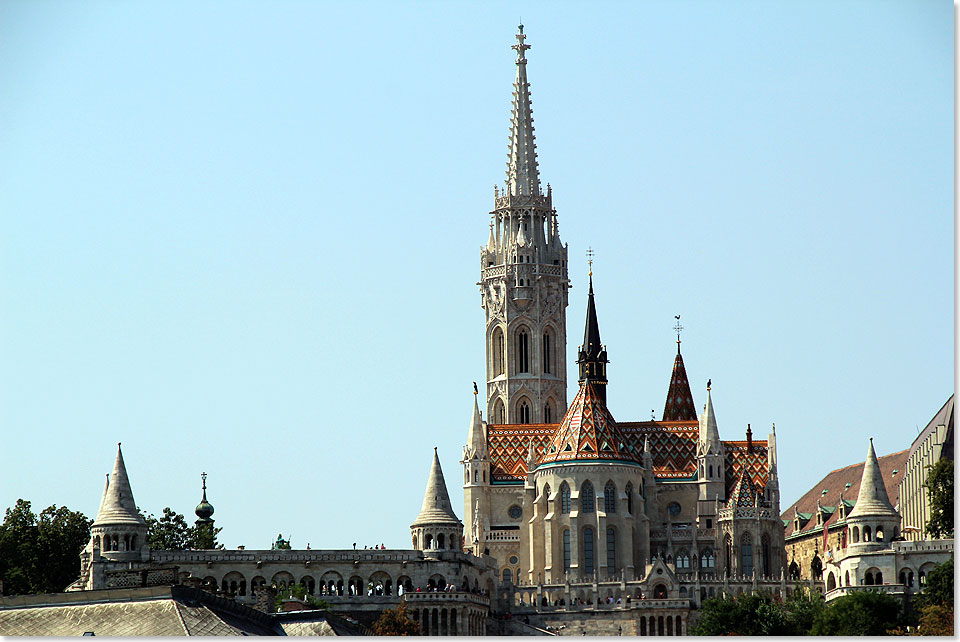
610 498
523 351
564 498
588 564
546 352
746 555
498 411
765 554
547 414
588 500
498 359
629 492
707 559
683 561
524 412
566 550
611 550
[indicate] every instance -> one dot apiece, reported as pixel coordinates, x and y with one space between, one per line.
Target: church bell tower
524 282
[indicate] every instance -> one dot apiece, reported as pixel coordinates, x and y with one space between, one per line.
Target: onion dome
204 510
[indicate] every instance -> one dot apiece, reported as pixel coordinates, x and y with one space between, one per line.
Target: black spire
593 356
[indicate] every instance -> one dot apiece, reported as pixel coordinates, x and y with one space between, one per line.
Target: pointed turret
476 436
593 357
587 432
872 499
523 175
679 405
437 526
744 492
117 505
709 435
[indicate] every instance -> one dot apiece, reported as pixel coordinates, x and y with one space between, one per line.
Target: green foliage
395 622
171 533
803 607
859 613
41 554
936 619
299 592
938 590
939 486
745 614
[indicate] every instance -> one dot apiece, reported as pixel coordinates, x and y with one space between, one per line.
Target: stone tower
119 532
524 282
437 527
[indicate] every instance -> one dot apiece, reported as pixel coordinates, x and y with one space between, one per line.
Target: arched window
660 593
728 553
476 477
588 500
794 571
546 492
547 348
523 351
498 413
610 498
856 534
878 536
429 542
866 533
440 541
547 413
628 491
564 498
523 412
566 550
746 555
707 559
831 581
683 561
133 542
878 578
846 578
588 564
507 576
498 360
611 550
765 555
868 578
711 471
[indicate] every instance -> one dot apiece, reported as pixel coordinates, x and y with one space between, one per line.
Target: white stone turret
524 282
437 527
119 532
476 475
873 522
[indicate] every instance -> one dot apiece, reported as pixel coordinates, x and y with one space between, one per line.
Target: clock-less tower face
524 282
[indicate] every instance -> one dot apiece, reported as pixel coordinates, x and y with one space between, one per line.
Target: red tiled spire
679 405
587 432
744 493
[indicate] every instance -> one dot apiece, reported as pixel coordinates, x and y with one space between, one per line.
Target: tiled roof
836 482
679 404
673 445
744 493
588 432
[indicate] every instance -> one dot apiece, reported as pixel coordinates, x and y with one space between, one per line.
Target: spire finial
521 46
678 328
590 254
475 391
708 384
203 476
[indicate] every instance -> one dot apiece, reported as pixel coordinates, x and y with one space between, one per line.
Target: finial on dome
708 384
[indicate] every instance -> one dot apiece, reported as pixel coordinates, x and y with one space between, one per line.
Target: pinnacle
117 505
436 508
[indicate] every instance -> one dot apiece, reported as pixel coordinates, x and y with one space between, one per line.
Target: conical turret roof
117 505
588 432
872 499
744 493
436 507
523 175
476 437
679 405
708 423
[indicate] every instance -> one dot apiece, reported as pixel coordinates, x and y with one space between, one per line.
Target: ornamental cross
590 254
678 327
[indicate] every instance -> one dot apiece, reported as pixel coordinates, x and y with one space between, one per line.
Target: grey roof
117 505
872 499
436 507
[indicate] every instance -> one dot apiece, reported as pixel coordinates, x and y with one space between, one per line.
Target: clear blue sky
244 237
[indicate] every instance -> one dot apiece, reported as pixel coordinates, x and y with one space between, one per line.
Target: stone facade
934 443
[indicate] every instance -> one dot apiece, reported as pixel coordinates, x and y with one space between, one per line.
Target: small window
514 559
515 512
674 509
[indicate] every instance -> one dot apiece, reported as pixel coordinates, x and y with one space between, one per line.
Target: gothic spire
436 508
709 435
872 499
117 505
679 405
593 357
476 437
523 176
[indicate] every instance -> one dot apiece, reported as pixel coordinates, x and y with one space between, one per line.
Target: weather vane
590 254
678 327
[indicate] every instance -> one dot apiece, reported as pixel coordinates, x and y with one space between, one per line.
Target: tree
859 613
395 622
803 606
938 588
41 555
171 533
939 486
745 614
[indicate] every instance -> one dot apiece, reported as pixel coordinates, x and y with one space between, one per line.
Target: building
577 509
935 442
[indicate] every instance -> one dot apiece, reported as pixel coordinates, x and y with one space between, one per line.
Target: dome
204 510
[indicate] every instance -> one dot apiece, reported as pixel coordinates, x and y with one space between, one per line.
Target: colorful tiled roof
836 482
744 493
679 405
588 432
738 457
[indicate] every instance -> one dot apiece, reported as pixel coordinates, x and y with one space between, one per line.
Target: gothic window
566 550
794 571
507 576
547 414
588 501
476 477
564 498
546 352
523 351
683 561
831 581
524 412
746 555
610 498
546 491
611 550
498 359
707 559
629 492
816 568
498 412
728 553
588 564
711 470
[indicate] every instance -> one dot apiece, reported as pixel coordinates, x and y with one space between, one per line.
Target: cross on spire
203 476
590 254
678 328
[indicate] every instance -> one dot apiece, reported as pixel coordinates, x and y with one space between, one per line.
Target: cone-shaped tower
593 356
523 175
679 405
437 527
873 522
119 531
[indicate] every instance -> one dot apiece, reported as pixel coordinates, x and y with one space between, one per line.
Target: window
498 412
523 351
498 360
707 559
610 498
564 498
611 550
566 550
711 470
765 554
683 561
629 492
546 491
507 575
524 412
588 565
746 556
546 352
588 501
515 512
547 414
816 568
674 509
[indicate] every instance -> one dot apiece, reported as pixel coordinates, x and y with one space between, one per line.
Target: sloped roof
117 505
836 482
744 492
587 432
872 498
679 405
436 507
